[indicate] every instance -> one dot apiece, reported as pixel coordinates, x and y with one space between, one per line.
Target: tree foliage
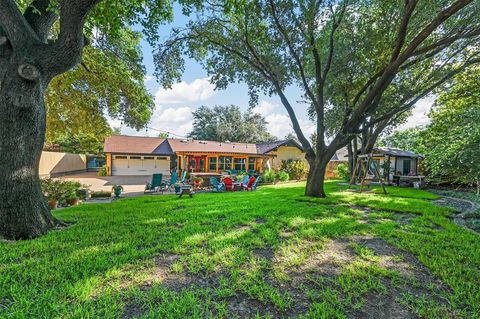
451 142
408 139
227 123
351 59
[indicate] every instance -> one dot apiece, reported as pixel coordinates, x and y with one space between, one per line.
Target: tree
408 139
227 123
323 47
451 143
109 81
31 55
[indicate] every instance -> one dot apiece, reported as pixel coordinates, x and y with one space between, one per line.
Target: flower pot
117 192
72 201
53 204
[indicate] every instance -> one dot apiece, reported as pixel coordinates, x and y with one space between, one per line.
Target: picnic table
187 190
410 179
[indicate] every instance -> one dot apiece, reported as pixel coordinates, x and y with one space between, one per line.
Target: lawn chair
217 186
184 177
228 182
249 184
168 184
155 185
254 185
245 180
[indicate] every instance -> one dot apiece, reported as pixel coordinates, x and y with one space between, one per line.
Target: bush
59 190
283 176
342 171
269 176
102 171
296 169
101 194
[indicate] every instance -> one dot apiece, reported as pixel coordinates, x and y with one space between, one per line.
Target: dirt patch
266 253
377 306
241 306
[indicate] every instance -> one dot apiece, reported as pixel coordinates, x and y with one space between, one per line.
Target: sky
173 107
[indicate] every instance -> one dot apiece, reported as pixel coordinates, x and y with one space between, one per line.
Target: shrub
342 171
295 169
268 176
101 194
59 190
102 171
283 176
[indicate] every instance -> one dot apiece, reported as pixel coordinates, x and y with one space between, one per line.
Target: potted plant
117 190
72 199
198 181
52 190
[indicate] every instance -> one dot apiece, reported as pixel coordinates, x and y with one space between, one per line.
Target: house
400 162
135 155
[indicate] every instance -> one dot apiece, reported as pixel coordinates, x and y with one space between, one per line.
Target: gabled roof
392 151
122 144
264 148
189 145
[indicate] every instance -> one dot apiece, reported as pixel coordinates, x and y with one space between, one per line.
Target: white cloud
148 78
178 120
264 108
198 90
280 125
419 115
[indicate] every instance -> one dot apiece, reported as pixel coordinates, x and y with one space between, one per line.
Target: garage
140 165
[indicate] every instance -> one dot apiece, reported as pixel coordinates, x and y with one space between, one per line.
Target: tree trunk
316 177
24 212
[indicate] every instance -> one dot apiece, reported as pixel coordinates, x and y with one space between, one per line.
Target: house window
148 157
251 163
407 164
224 163
212 163
239 164
120 157
135 157
161 158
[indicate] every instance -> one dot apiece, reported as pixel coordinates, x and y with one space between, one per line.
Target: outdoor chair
249 184
168 184
245 180
254 185
155 185
217 186
228 182
184 177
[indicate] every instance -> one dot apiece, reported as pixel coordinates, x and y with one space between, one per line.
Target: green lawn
272 253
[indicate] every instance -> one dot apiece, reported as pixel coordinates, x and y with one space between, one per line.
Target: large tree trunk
24 212
316 177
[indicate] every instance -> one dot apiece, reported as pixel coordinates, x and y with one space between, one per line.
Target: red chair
249 186
228 183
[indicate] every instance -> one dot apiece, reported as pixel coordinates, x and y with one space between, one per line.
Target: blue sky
174 107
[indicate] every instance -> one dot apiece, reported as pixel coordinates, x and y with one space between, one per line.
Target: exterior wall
413 164
285 153
56 164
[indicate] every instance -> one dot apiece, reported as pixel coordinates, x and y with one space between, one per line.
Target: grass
249 254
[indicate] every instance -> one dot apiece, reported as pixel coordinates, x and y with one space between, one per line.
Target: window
251 163
148 157
161 158
135 157
407 164
212 163
224 163
120 157
239 164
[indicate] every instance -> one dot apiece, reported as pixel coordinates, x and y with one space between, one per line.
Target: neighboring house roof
264 148
392 151
154 145
189 145
122 144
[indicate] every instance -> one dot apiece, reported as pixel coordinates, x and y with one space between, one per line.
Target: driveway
132 185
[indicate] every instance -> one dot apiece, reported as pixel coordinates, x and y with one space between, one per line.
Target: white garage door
140 165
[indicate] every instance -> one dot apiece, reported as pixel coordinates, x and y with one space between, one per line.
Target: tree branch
403 28
336 24
14 25
40 17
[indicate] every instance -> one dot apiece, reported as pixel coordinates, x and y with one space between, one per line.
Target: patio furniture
228 182
184 177
155 185
249 185
245 180
217 186
168 184
186 189
254 186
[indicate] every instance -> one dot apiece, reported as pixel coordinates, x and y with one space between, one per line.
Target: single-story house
401 162
135 155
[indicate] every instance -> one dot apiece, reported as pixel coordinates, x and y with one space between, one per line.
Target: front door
406 167
197 163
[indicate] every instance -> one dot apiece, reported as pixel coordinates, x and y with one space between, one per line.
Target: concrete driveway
132 185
